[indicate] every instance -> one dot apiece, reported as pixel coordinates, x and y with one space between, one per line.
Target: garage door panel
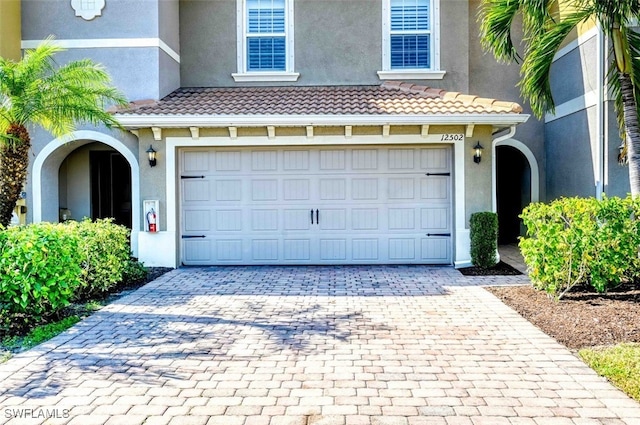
332 219
333 249
264 220
364 159
401 219
229 220
435 250
197 251
333 189
264 250
196 190
264 190
435 188
229 250
296 160
228 190
334 160
401 159
401 188
297 249
197 220
297 219
435 218
402 249
228 161
365 249
195 161
364 219
264 160
296 190
365 189
435 159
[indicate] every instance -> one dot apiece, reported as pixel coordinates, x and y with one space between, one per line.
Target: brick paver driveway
305 345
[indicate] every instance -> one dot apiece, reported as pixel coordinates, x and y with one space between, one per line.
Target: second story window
410 34
411 45
266 35
265 41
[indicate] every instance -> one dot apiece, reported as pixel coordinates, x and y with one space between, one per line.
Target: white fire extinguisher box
151 215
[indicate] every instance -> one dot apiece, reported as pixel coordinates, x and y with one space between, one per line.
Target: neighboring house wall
582 138
10 29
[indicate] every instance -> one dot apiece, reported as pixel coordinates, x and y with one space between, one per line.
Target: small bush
484 239
134 271
575 241
39 269
105 254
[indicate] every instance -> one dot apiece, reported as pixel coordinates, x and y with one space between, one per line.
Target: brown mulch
500 269
582 318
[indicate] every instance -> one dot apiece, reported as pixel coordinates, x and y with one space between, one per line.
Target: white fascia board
173 121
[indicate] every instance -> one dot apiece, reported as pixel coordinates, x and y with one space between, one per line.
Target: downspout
602 143
494 169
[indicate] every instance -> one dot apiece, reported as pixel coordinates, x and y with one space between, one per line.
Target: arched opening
94 181
513 175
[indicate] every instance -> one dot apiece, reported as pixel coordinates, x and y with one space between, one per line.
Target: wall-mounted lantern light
152 156
477 153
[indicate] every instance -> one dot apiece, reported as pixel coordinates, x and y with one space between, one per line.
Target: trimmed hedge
484 239
575 241
44 266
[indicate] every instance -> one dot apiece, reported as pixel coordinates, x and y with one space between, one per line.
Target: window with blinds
266 35
410 34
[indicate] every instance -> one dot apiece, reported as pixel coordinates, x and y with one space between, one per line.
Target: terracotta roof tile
390 98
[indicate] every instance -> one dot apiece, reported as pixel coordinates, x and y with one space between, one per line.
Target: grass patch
38 335
620 364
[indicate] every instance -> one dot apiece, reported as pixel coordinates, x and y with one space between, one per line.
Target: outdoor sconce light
152 156
477 155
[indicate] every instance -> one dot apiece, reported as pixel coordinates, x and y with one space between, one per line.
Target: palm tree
35 91
544 30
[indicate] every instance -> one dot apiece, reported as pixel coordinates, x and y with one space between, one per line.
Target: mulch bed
500 269
582 318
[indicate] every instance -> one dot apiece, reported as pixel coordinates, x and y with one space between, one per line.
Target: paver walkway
308 345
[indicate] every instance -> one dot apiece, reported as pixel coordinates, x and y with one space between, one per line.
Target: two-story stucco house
289 131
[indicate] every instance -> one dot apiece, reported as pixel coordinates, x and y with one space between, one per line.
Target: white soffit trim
583 38
587 100
136 121
102 43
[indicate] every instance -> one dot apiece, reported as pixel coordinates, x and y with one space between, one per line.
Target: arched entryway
94 181
69 158
517 186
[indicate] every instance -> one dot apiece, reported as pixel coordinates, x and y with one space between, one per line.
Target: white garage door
364 205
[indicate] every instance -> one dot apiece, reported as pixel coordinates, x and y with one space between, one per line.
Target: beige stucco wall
10 29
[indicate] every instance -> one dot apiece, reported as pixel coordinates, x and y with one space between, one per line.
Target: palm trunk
14 161
632 131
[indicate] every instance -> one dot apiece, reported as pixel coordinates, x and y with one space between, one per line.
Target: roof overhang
136 121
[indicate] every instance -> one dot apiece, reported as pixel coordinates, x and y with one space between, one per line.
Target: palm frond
535 85
496 19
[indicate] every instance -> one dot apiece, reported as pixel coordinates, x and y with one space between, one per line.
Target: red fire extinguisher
151 220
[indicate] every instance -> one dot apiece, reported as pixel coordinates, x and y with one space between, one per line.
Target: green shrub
105 254
134 271
39 269
575 241
484 239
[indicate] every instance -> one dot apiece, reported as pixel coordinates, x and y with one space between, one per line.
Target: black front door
110 187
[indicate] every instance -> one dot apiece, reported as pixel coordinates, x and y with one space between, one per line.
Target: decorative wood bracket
157 133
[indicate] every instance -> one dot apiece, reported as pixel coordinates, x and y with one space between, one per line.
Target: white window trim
263 76
433 73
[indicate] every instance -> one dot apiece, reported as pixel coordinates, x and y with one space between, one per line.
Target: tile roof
390 98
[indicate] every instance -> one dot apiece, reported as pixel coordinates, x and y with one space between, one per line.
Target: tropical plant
546 24
35 91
